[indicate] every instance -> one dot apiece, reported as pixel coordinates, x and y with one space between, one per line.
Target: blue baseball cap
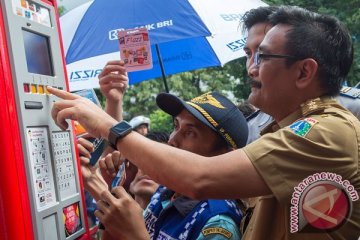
214 110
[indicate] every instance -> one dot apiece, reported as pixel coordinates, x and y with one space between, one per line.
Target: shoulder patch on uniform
302 127
350 92
217 230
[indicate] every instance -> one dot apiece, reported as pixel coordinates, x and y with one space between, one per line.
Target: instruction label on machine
63 158
41 167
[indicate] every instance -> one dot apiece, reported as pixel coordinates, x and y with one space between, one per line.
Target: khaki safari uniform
321 136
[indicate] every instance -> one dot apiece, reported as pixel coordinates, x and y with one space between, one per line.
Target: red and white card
135 49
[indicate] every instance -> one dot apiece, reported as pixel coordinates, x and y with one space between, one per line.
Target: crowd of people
297 61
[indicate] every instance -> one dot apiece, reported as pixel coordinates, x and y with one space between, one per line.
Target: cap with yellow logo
214 110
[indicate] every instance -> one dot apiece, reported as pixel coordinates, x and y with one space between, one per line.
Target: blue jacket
185 218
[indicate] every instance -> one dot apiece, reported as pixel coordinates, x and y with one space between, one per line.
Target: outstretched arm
223 176
113 81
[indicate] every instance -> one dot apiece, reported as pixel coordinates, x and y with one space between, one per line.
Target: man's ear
308 68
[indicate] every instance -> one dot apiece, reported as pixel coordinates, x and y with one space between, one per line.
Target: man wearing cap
208 125
204 125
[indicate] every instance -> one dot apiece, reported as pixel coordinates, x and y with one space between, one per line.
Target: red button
26 88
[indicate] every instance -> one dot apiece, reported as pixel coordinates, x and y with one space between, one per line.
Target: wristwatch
118 131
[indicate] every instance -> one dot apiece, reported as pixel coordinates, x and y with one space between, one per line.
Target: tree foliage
161 121
61 10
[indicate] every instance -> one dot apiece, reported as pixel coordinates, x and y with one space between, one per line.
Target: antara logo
82 75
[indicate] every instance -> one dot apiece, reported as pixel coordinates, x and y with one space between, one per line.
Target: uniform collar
307 108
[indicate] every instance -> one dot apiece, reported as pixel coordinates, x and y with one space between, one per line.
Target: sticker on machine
72 220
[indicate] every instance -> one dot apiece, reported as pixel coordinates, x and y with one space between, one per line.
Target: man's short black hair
320 37
257 15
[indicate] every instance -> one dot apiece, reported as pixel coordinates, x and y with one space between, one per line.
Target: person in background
350 98
142 187
293 79
141 124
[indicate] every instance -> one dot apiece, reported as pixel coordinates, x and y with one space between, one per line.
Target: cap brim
173 105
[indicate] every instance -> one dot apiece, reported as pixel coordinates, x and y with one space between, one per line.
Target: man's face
142 129
255 36
192 135
143 185
270 81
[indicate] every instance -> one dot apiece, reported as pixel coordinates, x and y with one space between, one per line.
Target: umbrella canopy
190 34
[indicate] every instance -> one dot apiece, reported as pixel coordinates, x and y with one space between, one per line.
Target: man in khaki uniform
256 23
306 164
273 160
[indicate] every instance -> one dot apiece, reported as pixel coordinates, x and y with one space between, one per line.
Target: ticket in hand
119 180
120 177
99 146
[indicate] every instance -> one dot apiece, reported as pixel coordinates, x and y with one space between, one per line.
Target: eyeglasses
259 56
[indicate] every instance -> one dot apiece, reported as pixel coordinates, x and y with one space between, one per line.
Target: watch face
121 127
118 131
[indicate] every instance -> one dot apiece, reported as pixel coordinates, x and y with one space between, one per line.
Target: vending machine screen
37 52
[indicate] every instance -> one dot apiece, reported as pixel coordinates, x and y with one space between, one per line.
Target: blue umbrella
189 35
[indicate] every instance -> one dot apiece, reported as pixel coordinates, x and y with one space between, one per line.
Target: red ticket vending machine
41 193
